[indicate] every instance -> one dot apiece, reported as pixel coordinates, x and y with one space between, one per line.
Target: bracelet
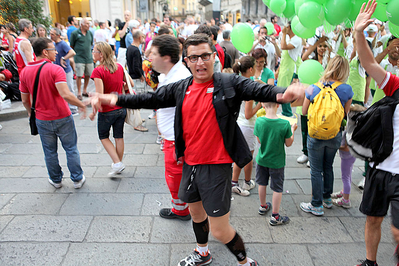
62 58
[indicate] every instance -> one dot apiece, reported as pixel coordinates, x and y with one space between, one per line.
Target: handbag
133 116
32 118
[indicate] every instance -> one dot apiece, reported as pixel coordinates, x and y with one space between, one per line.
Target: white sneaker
159 139
302 159
308 164
116 169
361 183
152 115
249 186
80 183
240 191
56 185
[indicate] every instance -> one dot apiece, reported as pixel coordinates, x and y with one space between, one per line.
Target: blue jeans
64 129
321 155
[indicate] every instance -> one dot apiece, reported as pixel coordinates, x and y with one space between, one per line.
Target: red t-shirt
201 133
220 51
49 103
277 28
390 84
113 83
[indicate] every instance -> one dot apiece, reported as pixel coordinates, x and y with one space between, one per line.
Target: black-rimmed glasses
204 57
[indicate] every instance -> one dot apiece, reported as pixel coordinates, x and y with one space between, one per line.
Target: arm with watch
71 53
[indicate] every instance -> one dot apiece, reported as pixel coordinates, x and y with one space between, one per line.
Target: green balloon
394 29
311 15
278 6
310 71
270 28
355 9
383 1
266 2
337 11
289 11
393 11
321 2
348 23
298 4
380 12
300 30
242 37
327 27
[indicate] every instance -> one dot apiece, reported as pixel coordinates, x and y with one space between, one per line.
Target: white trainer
80 183
240 191
302 159
249 186
116 169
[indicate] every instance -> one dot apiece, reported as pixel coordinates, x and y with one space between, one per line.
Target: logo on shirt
209 90
188 92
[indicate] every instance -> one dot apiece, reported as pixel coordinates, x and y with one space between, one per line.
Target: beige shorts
81 68
249 136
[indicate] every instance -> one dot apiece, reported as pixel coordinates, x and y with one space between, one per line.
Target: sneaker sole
312 212
345 207
204 263
274 224
327 206
177 217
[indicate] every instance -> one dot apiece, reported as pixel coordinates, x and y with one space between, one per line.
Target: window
182 2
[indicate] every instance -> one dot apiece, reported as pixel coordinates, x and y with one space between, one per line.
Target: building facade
103 10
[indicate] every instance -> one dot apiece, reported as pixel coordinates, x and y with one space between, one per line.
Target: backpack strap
333 86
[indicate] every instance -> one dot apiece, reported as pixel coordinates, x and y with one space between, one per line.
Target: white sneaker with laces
249 186
308 164
116 169
80 183
240 191
152 115
302 159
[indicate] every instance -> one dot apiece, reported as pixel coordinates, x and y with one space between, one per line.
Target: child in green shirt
272 133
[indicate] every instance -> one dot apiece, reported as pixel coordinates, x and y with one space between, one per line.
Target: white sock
203 251
249 260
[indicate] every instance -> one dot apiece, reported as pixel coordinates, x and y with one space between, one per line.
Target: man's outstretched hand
294 94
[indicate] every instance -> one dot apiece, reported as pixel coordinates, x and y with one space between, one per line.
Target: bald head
127 15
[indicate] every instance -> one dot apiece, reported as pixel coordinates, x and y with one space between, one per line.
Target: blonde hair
337 70
108 61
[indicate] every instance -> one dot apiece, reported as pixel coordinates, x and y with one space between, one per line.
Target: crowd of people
203 86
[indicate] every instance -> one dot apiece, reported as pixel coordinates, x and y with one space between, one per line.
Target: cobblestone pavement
116 222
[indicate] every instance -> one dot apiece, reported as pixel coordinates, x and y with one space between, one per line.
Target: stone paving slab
333 212
102 172
246 225
13 171
303 230
4 220
171 231
141 185
150 172
123 229
102 204
32 254
147 160
4 199
46 228
34 204
348 254
25 185
95 254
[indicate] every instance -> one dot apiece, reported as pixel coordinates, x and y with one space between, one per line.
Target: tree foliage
14 10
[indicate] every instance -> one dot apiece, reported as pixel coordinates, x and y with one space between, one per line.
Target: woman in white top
246 121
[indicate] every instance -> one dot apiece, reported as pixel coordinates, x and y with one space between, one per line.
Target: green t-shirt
81 44
272 134
356 81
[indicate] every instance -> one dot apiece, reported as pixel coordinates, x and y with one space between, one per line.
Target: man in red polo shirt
53 117
206 133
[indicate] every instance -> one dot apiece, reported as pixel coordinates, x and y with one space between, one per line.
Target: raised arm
365 54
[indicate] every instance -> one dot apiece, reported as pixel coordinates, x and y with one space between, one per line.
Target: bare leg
236 173
262 195
87 79
120 147
79 85
372 236
109 147
276 201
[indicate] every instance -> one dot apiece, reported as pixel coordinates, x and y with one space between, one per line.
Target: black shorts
380 189
209 183
114 119
276 177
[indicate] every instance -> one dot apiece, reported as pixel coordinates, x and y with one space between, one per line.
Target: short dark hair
169 17
273 17
249 20
203 29
226 34
197 39
391 39
164 30
168 45
70 19
263 27
239 20
39 44
100 24
215 31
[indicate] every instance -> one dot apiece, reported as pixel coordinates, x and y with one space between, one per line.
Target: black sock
236 246
201 231
370 262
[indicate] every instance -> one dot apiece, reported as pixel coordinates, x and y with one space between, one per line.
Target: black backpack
370 133
228 61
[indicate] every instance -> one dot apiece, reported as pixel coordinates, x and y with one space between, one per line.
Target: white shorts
249 136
